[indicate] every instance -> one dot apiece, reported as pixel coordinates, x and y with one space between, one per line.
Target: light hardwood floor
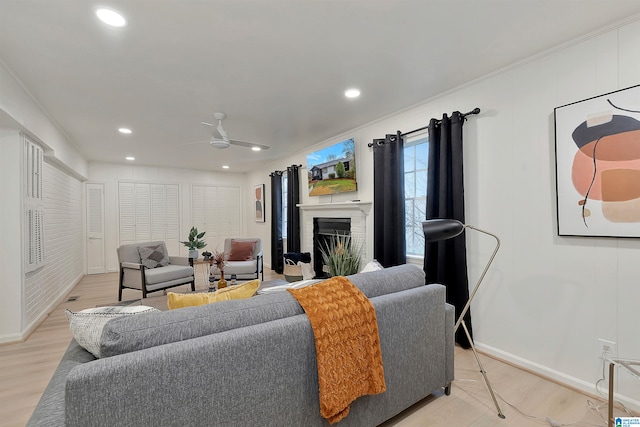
27 367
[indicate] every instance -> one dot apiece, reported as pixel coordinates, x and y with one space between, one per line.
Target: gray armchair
248 267
148 267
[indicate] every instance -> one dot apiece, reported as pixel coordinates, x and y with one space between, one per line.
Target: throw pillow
372 266
153 256
241 291
242 250
86 325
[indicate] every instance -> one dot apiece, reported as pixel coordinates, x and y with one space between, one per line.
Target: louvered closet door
95 229
216 210
127 212
150 212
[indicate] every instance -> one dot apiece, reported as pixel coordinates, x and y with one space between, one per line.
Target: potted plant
195 242
341 255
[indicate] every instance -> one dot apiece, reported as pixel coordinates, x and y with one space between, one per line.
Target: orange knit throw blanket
347 344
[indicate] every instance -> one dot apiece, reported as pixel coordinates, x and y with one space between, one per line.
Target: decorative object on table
296 265
598 165
206 255
436 230
233 280
220 260
195 242
341 255
259 202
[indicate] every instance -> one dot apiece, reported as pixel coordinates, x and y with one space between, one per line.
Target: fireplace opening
323 230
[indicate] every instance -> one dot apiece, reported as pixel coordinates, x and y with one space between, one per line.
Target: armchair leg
193 285
120 284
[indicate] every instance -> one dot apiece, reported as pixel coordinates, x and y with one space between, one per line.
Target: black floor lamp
442 229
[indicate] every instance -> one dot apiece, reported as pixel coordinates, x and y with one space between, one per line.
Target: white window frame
410 200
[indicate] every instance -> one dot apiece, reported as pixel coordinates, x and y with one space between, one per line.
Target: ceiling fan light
225 166
126 131
256 148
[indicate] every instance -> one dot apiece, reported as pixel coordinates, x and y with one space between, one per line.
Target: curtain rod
474 111
464 116
281 172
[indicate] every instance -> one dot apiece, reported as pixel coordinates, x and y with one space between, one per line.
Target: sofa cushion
242 250
153 256
124 335
241 291
167 273
389 280
87 325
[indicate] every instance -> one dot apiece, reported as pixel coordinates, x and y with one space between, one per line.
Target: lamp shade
441 229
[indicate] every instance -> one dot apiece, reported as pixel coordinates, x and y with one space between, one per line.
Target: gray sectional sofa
249 362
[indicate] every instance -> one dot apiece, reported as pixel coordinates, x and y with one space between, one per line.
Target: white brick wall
63 244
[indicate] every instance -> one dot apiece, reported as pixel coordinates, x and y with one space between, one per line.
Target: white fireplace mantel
365 207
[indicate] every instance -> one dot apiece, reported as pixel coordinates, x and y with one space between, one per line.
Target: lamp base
482 371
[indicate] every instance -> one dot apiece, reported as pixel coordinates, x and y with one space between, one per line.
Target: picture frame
258 194
597 151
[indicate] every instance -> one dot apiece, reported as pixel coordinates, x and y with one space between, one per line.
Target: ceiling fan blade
193 143
249 144
222 132
208 124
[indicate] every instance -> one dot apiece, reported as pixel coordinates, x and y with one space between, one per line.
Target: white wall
20 113
11 279
110 174
547 299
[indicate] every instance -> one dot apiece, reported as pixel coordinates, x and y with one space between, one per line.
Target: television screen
333 169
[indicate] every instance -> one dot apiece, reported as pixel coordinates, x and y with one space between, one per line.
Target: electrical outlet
606 349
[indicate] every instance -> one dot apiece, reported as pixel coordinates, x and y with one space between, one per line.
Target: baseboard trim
553 375
31 328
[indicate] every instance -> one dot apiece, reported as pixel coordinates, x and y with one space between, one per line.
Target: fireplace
323 230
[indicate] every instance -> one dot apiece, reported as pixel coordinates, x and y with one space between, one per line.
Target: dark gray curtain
446 261
389 247
277 261
293 211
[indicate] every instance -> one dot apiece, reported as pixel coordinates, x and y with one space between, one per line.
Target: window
416 160
285 194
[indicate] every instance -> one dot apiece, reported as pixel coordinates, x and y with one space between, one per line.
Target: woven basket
292 272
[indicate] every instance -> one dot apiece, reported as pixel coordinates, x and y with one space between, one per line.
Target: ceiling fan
223 140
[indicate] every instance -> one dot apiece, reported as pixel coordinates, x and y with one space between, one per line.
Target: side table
205 273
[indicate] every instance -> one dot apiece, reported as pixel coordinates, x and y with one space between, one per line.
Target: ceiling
277 68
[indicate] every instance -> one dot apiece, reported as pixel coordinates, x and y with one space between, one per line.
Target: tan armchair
148 267
244 259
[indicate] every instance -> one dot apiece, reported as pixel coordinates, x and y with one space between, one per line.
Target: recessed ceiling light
225 167
124 130
111 17
352 93
130 158
256 148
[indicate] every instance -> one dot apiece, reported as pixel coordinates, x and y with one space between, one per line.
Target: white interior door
95 229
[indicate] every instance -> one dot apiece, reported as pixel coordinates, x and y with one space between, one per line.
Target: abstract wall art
598 165
258 192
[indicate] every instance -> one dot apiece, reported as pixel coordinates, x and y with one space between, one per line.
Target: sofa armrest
179 260
131 265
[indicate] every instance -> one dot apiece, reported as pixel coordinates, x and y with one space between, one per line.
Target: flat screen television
333 169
